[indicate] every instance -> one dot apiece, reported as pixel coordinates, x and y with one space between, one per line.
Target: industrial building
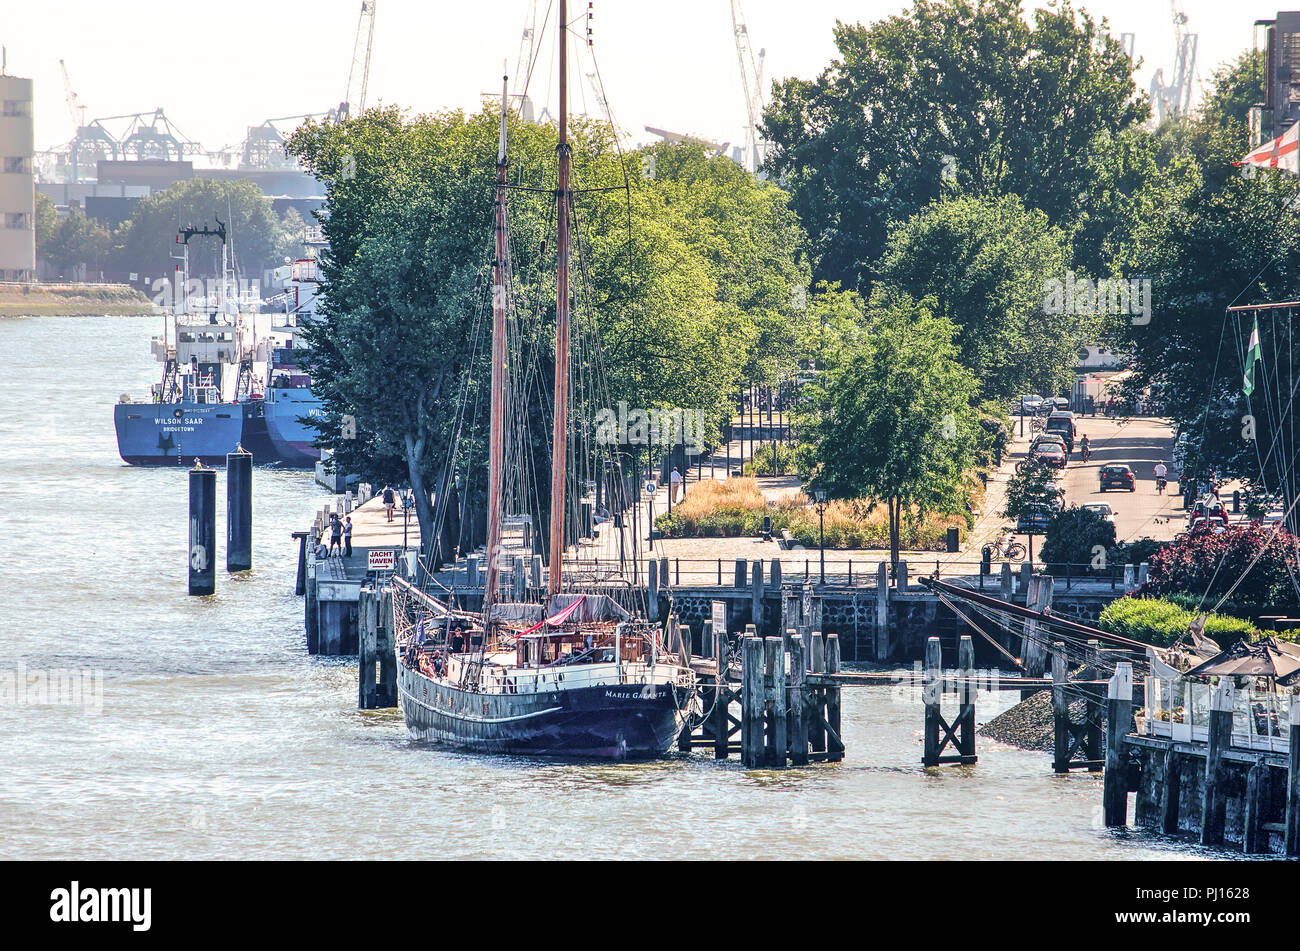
17 184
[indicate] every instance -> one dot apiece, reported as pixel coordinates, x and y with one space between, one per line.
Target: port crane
354 102
1173 100
751 80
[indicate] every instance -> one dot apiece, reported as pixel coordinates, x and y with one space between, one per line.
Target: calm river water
219 737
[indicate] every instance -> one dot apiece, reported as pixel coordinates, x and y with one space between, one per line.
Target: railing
1179 710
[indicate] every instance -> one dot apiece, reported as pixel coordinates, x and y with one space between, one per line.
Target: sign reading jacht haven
381 559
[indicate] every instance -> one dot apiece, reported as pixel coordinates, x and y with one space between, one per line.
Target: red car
1117 477
1049 454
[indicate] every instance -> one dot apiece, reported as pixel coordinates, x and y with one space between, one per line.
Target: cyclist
1084 448
1162 473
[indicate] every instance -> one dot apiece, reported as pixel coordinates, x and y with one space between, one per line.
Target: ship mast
496 437
561 319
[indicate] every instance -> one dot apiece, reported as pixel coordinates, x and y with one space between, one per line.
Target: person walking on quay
336 534
675 484
347 537
390 499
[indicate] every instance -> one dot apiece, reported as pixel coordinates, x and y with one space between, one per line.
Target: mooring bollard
239 510
797 703
774 706
751 702
1119 712
203 531
834 734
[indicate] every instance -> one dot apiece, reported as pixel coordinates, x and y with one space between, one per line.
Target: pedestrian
390 499
336 533
674 483
347 537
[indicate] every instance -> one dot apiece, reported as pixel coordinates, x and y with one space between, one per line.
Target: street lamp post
821 531
1022 416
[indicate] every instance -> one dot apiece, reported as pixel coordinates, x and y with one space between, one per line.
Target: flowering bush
1210 565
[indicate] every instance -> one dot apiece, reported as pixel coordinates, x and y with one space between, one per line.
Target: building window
18 107
18 165
18 220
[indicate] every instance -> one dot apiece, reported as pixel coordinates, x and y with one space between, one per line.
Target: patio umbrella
1267 658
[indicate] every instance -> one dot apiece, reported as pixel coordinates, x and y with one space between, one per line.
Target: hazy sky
217 68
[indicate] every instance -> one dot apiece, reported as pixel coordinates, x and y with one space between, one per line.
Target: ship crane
354 102
751 80
524 63
75 108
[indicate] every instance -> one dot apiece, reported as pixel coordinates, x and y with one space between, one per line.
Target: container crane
1173 100
354 102
751 80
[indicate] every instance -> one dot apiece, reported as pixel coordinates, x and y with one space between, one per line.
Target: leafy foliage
984 263
1210 566
1160 622
952 96
894 422
1073 538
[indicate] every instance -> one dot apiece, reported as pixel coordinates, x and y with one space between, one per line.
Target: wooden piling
1170 790
797 703
1060 711
834 732
722 698
931 691
652 590
817 665
740 573
1119 713
774 703
1215 800
756 594
751 703
1254 838
1292 848
967 691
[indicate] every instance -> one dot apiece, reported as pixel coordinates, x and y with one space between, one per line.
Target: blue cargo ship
290 404
209 400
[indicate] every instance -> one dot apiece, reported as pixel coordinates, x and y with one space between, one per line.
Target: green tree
78 246
986 263
952 96
895 424
1029 492
46 222
1075 537
147 241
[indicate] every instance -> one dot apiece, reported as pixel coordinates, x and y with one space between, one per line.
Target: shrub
761 465
1073 536
1160 622
1211 565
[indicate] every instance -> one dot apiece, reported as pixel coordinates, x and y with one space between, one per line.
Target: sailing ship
576 676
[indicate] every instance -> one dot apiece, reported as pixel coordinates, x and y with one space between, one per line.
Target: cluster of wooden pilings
940 734
787 699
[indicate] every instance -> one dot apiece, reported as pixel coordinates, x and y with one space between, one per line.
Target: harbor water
202 728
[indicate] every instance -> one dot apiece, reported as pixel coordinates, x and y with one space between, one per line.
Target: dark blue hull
175 434
618 721
286 407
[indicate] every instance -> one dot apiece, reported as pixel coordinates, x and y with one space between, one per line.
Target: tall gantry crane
1173 100
354 103
751 80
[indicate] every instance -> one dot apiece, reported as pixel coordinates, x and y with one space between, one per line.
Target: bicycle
1007 549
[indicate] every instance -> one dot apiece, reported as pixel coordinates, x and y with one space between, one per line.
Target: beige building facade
17 181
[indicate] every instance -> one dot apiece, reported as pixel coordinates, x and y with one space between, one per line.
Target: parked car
1060 402
1117 476
1061 424
1101 508
1049 454
1030 404
1033 522
1055 439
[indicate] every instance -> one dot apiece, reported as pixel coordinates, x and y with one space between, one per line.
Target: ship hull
175 434
614 721
291 437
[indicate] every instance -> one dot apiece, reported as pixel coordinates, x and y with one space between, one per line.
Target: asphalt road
1140 443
